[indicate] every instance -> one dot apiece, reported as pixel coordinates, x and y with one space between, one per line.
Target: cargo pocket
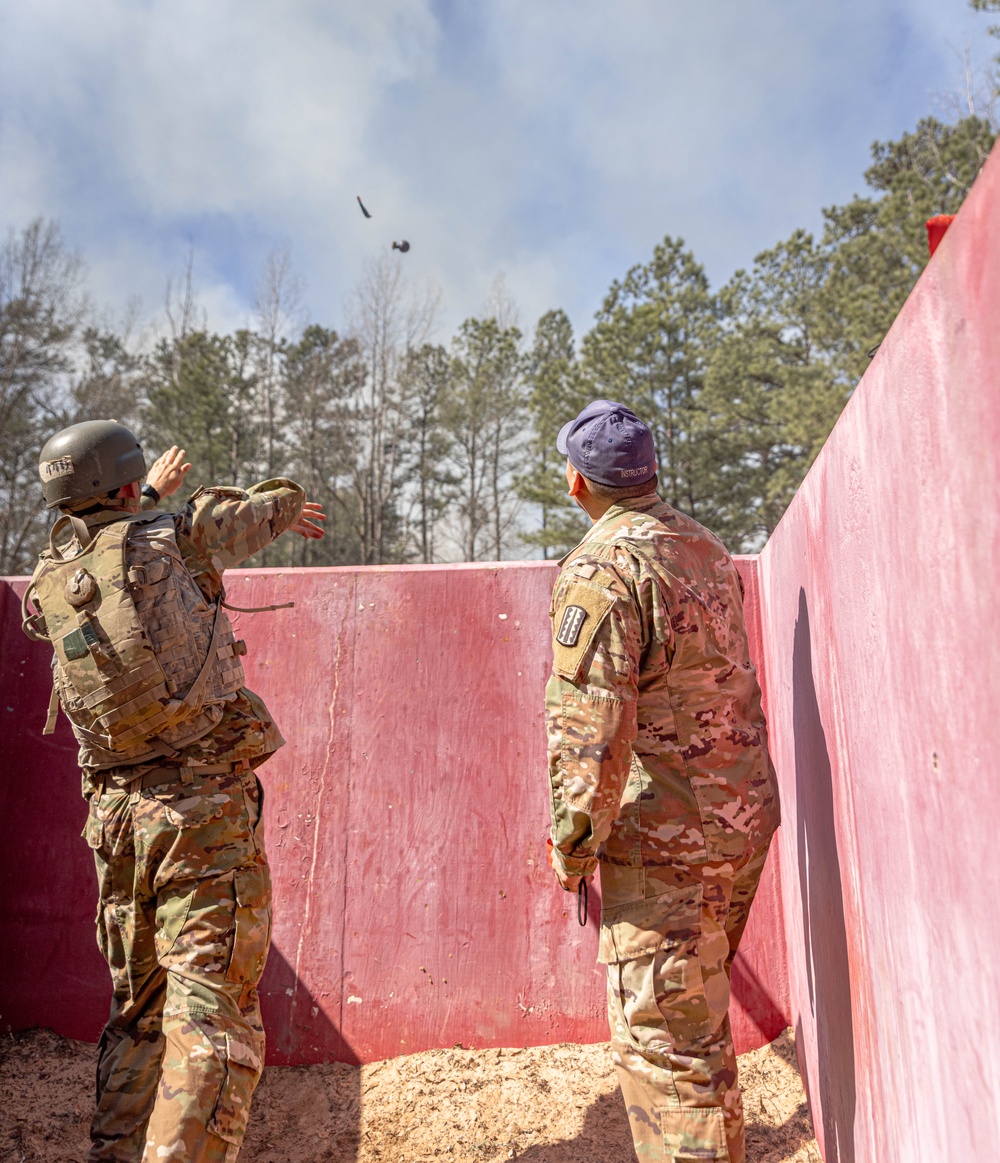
649 924
657 991
252 924
93 831
244 1062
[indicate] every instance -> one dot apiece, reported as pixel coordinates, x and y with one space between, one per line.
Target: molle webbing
143 661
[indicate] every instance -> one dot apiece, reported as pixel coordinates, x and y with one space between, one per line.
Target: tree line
428 451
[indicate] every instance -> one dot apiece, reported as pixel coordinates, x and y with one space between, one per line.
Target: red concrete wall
405 825
879 593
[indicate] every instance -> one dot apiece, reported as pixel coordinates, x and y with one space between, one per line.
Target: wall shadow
299 1033
823 924
758 1005
605 1137
311 1113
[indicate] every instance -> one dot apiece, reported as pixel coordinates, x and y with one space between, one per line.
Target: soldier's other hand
304 526
168 472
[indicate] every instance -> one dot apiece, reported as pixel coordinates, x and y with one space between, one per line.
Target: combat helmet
88 460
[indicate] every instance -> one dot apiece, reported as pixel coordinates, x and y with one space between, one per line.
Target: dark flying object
362 205
402 247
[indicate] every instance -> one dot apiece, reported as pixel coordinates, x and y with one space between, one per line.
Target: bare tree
485 418
427 381
978 93
277 305
41 310
386 326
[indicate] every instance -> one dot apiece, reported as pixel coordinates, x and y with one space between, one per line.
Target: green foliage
877 244
198 391
771 396
108 387
428 379
556 392
40 313
648 349
423 451
483 417
319 375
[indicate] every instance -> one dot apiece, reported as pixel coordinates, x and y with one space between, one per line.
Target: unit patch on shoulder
581 611
572 623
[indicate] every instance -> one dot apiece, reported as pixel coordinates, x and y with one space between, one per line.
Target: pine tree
198 393
41 310
431 483
648 350
314 380
557 392
877 243
771 395
484 417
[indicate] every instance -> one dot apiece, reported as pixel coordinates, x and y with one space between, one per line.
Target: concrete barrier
405 826
879 594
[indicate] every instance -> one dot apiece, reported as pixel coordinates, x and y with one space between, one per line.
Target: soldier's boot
681 1109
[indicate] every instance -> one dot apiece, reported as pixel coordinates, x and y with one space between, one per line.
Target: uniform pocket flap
93 831
240 1051
641 927
251 886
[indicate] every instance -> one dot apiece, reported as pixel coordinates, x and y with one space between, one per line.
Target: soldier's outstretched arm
227 525
591 711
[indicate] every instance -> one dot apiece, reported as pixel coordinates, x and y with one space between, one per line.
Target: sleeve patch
572 623
577 620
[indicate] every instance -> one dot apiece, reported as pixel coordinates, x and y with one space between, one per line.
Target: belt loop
187 775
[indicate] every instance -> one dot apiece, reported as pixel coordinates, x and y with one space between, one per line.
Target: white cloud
556 142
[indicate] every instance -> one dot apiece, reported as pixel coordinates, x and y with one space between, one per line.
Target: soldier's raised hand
311 511
168 472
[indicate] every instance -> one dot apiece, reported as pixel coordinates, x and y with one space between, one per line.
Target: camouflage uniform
185 910
660 776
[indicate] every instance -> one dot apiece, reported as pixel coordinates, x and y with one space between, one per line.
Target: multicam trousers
184 923
668 937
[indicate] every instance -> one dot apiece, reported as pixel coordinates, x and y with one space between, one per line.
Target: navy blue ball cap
609 444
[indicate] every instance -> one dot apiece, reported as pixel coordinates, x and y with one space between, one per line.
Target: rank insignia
571 625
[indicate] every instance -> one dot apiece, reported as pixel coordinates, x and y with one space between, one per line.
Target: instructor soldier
147 670
659 776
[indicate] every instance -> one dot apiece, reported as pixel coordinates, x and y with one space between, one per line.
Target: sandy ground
546 1104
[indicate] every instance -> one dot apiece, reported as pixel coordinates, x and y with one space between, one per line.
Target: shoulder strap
33 624
50 722
86 537
194 694
79 527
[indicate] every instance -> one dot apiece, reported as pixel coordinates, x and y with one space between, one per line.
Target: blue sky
551 141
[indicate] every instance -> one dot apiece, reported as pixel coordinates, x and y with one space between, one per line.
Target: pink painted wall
405 825
879 594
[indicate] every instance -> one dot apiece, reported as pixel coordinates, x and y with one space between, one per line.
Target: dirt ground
546 1104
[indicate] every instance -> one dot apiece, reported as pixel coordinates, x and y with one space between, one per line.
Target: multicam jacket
218 528
657 741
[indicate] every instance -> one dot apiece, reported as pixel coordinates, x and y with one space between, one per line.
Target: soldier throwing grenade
148 672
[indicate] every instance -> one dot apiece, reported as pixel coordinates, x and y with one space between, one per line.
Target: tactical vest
143 662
